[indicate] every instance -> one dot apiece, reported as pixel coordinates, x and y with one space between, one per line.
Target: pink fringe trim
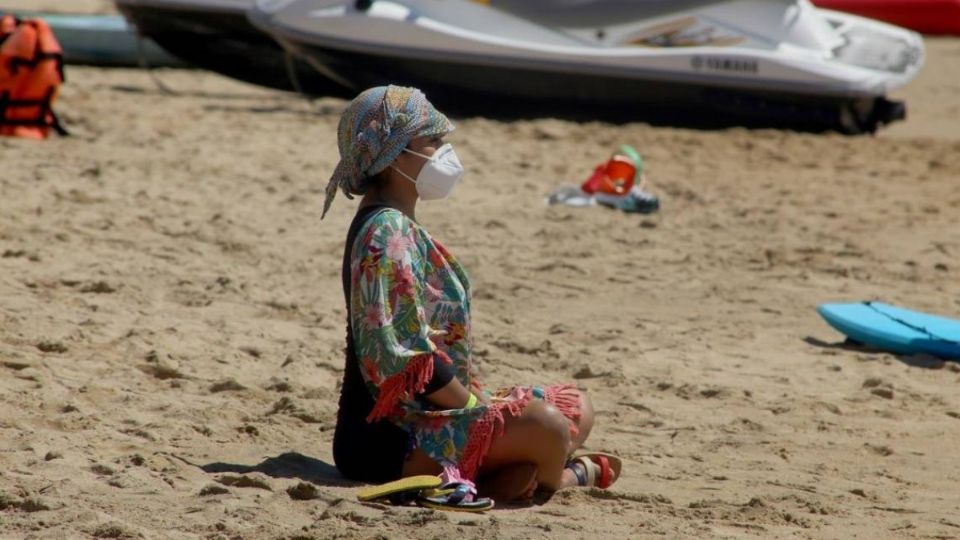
484 430
413 379
566 398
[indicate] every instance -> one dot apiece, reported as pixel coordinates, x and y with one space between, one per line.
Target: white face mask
439 175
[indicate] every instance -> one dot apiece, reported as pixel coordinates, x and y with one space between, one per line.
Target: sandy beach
172 324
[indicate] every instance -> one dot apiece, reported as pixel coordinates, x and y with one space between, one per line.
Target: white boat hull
705 58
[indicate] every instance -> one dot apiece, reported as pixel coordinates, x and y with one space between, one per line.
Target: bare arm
452 396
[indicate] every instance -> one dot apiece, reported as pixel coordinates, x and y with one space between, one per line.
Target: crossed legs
531 453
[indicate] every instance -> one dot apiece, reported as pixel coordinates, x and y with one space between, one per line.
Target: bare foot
531 490
510 483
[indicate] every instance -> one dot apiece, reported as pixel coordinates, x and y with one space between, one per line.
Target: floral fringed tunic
409 304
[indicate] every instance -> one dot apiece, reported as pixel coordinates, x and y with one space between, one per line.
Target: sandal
455 497
427 491
596 469
400 492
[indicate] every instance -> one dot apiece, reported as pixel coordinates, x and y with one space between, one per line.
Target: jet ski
746 62
216 35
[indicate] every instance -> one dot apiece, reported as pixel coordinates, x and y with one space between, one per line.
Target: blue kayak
895 329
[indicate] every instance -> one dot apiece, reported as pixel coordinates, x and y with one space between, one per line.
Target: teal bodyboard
895 329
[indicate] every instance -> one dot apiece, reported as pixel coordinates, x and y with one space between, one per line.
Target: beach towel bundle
617 183
31 72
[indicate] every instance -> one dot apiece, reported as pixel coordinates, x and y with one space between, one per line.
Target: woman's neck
382 197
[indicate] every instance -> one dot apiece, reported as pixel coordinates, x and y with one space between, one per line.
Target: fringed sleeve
390 331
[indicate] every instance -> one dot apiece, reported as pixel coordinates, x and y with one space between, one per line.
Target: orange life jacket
31 72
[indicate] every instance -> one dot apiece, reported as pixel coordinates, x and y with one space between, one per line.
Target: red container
925 16
615 177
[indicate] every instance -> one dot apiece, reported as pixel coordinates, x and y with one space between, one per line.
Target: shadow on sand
288 465
915 360
740 113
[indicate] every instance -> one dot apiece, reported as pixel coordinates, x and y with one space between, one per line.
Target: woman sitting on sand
410 402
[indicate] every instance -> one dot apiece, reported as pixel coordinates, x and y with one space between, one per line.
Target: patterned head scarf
377 125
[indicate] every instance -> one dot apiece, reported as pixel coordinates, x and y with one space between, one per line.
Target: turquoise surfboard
894 329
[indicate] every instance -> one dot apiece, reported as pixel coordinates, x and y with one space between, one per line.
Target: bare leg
541 436
568 480
538 440
509 483
420 463
586 422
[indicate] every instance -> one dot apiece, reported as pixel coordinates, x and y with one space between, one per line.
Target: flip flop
599 469
454 498
402 491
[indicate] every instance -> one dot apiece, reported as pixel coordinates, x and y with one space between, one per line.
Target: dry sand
171 320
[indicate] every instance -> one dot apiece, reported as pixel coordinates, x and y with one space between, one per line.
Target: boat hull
225 42
516 92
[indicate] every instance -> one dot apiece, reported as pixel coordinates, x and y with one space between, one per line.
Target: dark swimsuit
370 452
